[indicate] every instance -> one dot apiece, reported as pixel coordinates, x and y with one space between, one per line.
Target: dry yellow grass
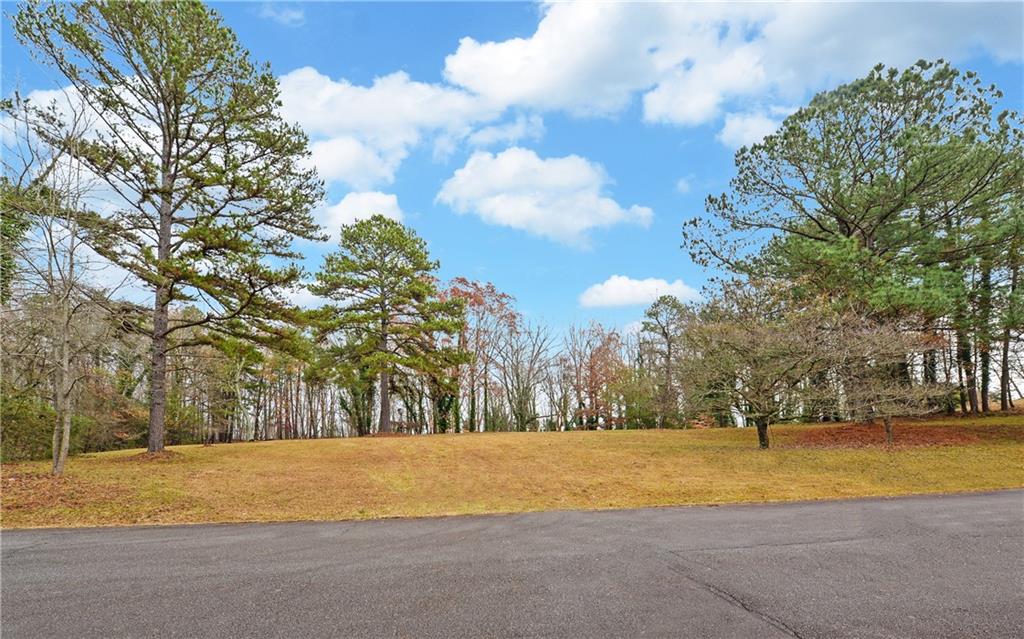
502 472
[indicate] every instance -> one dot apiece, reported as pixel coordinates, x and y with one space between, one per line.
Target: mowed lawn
513 472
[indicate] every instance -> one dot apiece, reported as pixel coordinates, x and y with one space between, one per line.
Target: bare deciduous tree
45 186
521 360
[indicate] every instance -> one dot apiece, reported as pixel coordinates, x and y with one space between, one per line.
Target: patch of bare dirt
997 431
862 435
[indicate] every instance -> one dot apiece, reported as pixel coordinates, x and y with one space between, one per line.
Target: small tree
594 356
521 357
42 195
489 315
749 352
637 389
387 302
867 356
665 321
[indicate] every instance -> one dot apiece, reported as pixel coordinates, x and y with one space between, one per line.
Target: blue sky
555 150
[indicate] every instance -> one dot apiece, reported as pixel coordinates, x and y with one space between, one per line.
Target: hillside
512 472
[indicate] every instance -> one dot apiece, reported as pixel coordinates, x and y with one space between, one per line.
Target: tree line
870 252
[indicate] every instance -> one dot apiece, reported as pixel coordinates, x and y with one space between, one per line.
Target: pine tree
386 303
213 185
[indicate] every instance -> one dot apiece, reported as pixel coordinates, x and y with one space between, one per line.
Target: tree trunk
65 441
967 366
1004 373
58 406
487 415
984 361
61 427
948 364
472 405
62 374
158 381
55 440
62 444
887 420
1005 402
961 393
982 335
385 404
762 432
931 374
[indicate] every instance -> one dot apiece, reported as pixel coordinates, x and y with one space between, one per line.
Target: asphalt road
944 566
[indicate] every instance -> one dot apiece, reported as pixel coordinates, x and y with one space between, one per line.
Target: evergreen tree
387 304
665 321
867 193
214 185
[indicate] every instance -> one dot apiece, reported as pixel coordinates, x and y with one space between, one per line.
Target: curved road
942 566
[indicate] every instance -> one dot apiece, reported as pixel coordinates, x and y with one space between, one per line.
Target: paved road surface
945 566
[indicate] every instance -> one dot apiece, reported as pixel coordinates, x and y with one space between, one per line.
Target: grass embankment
512 472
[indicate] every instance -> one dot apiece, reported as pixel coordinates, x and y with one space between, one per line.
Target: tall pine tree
212 184
387 304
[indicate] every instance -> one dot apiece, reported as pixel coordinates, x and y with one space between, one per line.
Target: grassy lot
512 472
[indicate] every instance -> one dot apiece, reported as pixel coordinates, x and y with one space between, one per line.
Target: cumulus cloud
558 198
285 14
687 64
361 134
694 62
358 206
578 60
619 290
359 165
694 95
746 129
522 128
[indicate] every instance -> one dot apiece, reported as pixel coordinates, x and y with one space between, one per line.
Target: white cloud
746 129
304 298
693 62
557 198
361 134
283 13
683 185
359 165
619 290
581 59
522 128
390 111
686 63
695 95
808 44
358 206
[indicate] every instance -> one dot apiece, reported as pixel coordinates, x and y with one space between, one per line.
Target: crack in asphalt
10 552
730 598
842 540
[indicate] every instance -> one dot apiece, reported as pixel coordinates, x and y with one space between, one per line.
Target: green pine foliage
387 307
213 184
